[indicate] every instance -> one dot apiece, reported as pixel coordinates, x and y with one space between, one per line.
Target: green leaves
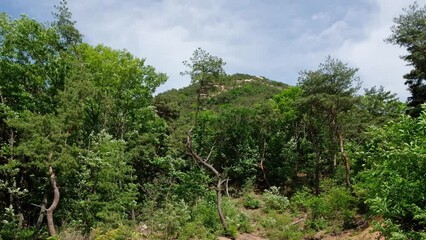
203 67
106 180
409 31
30 65
394 175
206 70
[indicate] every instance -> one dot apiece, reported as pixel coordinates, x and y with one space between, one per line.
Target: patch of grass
280 226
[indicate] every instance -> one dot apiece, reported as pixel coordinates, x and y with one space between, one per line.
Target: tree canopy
409 32
89 150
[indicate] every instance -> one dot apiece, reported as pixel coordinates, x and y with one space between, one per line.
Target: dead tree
56 195
211 168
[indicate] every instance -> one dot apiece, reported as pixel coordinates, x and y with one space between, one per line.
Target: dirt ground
365 234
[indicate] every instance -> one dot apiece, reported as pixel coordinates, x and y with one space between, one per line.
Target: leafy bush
393 182
119 233
251 202
193 230
9 227
279 226
205 213
167 221
177 220
274 201
334 208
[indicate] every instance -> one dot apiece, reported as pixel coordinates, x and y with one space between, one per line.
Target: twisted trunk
219 203
218 176
49 211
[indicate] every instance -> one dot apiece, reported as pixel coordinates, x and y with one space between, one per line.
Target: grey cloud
276 39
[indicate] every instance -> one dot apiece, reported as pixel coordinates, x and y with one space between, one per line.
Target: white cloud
274 39
165 32
320 16
378 61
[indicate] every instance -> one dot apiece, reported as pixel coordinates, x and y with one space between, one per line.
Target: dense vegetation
87 151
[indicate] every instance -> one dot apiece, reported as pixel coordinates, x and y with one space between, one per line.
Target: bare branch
40 206
197 157
210 153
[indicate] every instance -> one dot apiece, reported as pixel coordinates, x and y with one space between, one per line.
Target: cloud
276 39
164 32
379 62
320 16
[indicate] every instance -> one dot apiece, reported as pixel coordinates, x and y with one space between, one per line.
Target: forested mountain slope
237 90
88 152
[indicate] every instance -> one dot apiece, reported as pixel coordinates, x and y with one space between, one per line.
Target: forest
89 150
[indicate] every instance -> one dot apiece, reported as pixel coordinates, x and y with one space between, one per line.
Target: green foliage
380 103
177 220
328 94
205 213
392 181
111 90
170 220
10 226
279 226
409 32
286 103
251 202
274 200
120 157
193 230
30 66
334 209
119 233
65 25
204 68
106 184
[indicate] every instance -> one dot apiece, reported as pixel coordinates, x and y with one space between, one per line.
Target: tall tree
409 31
65 25
205 70
328 94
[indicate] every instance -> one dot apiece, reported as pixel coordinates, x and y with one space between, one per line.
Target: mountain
237 90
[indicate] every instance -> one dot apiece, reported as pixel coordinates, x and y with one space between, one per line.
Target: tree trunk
49 211
262 160
345 158
227 187
204 162
42 212
317 174
219 203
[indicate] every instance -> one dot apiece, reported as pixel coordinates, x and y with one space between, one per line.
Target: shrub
278 226
166 222
120 233
251 202
9 227
274 201
194 230
205 213
393 180
335 207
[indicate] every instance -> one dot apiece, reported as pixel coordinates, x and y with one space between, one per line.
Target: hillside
87 152
237 90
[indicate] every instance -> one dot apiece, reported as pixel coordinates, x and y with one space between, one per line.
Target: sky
272 38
